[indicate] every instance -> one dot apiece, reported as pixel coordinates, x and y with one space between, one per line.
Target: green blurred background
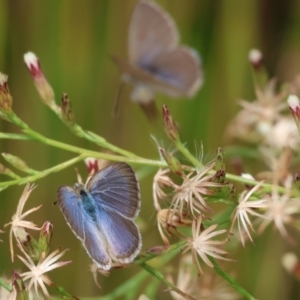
74 42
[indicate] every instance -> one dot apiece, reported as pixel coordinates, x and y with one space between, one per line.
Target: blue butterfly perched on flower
101 214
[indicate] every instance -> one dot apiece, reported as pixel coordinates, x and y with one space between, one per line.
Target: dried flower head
18 218
245 208
161 180
168 219
202 244
36 275
192 191
280 209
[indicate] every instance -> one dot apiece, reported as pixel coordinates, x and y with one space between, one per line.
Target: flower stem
43 173
161 277
231 281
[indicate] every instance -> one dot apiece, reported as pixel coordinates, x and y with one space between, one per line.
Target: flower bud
8 172
170 125
294 105
18 291
66 109
173 163
45 237
291 264
18 163
92 165
28 243
6 99
41 83
255 58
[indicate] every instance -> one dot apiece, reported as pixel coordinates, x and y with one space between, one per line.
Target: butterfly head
80 190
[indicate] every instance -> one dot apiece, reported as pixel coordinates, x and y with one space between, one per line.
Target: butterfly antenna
117 100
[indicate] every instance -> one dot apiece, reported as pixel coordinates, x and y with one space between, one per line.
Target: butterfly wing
154 55
81 225
152 32
123 237
116 187
179 68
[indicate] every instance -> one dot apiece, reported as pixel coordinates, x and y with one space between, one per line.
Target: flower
18 218
160 181
244 208
282 134
280 209
36 275
254 122
195 185
202 244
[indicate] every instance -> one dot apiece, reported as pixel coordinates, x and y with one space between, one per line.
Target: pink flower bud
170 125
294 104
92 165
41 83
255 58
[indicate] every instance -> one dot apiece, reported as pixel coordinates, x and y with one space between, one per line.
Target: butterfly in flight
157 63
101 214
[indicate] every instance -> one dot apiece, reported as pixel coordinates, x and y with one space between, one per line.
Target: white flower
191 193
36 275
283 133
202 244
244 208
280 209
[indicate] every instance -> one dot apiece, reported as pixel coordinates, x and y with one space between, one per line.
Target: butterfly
101 214
157 63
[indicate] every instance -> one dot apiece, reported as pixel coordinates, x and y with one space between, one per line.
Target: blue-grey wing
72 210
117 188
123 237
96 246
152 32
82 226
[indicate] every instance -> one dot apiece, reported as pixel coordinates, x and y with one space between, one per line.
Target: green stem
127 286
13 136
89 153
161 278
197 164
90 136
231 281
128 158
43 173
140 260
